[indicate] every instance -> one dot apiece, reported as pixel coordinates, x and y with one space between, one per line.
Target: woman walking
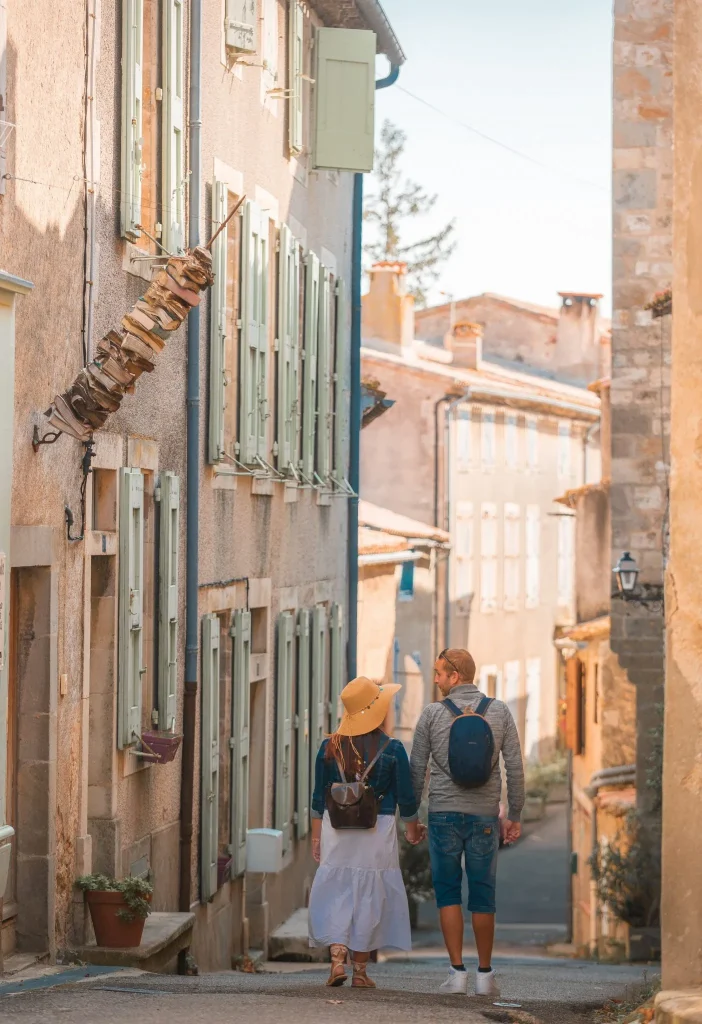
358 901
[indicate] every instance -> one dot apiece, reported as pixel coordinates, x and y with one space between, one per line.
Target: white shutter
309 355
564 449
324 378
511 688
487 439
209 803
132 141
318 700
173 133
345 99
296 56
488 557
532 433
512 555
254 341
533 555
218 324
131 605
285 672
341 410
565 560
302 725
336 631
241 25
168 600
532 731
239 740
463 439
288 350
464 548
511 441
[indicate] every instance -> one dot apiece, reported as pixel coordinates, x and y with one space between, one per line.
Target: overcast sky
535 76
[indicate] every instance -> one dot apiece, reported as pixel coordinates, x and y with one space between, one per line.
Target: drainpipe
452 405
193 486
355 412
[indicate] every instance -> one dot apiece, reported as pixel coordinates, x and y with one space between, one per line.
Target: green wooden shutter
336 631
285 672
131 605
318 699
302 724
253 411
296 66
218 325
345 99
168 601
288 345
239 742
173 149
341 357
309 378
209 803
240 25
132 59
324 378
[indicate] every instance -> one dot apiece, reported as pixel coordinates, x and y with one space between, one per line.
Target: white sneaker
486 985
456 983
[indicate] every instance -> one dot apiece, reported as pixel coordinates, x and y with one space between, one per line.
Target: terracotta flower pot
161 746
110 929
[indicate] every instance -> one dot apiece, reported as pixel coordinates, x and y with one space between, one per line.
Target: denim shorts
451 835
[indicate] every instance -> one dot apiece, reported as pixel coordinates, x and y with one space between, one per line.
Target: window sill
264 486
323 499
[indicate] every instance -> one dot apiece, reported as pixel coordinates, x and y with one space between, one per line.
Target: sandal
360 978
337 974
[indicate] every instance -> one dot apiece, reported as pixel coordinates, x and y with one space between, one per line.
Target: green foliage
134 891
542 776
654 768
627 873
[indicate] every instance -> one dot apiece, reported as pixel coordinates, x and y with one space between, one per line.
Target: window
488 557
463 439
489 676
532 729
168 600
564 466
131 606
565 560
173 148
323 419
512 555
511 441
532 434
463 545
406 592
296 57
487 439
253 344
533 555
511 692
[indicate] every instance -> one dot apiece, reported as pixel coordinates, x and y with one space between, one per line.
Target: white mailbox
264 851
6 834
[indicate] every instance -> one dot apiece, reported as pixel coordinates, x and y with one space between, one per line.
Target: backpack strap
371 766
483 706
453 708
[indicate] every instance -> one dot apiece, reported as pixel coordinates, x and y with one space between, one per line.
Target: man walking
465 821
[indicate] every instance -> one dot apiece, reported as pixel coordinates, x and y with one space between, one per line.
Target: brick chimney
388 310
465 341
578 350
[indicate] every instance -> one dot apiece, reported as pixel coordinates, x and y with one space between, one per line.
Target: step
684 1007
291 942
165 935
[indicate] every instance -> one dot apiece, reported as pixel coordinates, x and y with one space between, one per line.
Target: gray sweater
431 738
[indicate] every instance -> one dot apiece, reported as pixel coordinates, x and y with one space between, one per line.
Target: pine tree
396 202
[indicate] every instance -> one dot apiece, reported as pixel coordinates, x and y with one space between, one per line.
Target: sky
536 77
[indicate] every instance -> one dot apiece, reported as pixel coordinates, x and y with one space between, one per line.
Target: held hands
415 832
511 831
316 849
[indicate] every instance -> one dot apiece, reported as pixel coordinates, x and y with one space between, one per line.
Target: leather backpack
354 805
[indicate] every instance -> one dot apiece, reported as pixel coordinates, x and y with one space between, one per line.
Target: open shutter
131 605
336 632
533 556
488 557
341 355
318 700
345 99
302 724
209 804
324 378
285 671
309 381
574 671
296 66
218 325
132 59
288 349
168 601
254 347
173 137
239 741
240 25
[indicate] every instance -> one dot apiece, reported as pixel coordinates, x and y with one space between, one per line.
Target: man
466 821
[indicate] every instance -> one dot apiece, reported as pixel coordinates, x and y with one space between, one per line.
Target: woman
358 901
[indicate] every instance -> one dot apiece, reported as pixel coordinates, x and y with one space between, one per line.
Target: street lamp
626 571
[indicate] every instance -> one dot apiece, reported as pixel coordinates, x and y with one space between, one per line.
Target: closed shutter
309 355
173 137
463 445
318 705
324 378
218 324
532 432
131 605
296 58
285 672
239 740
564 449
253 393
565 560
512 555
209 804
511 441
487 439
288 350
168 601
488 557
345 99
464 547
240 25
336 632
131 158
533 556
341 362
302 724
532 731
574 672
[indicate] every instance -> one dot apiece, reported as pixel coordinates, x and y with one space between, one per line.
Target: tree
396 202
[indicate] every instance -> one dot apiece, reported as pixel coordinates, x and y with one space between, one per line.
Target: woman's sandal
360 978
337 974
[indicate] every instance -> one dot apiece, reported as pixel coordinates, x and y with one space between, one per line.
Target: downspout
187 783
453 404
355 399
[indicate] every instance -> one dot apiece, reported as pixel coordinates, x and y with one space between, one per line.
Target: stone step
684 1007
290 942
165 935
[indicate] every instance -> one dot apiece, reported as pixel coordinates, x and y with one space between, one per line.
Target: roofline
388 43
591 630
10 283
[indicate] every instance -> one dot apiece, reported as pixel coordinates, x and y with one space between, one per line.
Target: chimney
578 353
465 341
388 310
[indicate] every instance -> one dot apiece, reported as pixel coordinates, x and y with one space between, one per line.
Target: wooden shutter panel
309 382
302 722
318 700
132 59
168 600
254 340
296 65
209 803
336 631
288 349
324 378
218 325
574 670
345 99
173 155
341 356
239 741
241 25
131 605
285 672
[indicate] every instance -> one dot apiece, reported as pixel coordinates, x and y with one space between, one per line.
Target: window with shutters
325 396
303 791
487 439
532 442
488 557
566 560
253 345
319 697
240 634
173 126
576 705
464 548
564 444
168 601
285 682
287 443
532 730
209 765
225 305
488 680
240 26
511 441
296 71
310 367
336 661
341 388
463 438
512 561
511 688
533 556
131 668
345 99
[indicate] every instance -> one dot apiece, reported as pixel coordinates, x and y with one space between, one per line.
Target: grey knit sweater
431 738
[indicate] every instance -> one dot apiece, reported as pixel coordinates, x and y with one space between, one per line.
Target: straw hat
366 706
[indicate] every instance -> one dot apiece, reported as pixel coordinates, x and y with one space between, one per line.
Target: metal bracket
49 438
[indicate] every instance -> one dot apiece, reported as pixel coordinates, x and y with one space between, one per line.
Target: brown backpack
354 805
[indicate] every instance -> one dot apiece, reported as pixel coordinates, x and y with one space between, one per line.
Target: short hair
460 661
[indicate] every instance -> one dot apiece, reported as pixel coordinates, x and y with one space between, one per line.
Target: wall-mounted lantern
626 572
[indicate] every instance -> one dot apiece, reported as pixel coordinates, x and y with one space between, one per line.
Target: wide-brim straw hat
366 706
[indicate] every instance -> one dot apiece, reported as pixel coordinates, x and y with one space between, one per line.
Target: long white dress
358 898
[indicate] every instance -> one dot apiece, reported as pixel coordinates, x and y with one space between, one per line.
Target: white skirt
358 898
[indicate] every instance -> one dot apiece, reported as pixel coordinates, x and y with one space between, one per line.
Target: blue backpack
471 745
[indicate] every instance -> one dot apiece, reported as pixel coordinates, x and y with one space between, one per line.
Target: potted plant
160 747
118 908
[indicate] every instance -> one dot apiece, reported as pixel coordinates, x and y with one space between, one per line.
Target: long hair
354 753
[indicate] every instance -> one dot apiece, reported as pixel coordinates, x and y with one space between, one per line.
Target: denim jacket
390 777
